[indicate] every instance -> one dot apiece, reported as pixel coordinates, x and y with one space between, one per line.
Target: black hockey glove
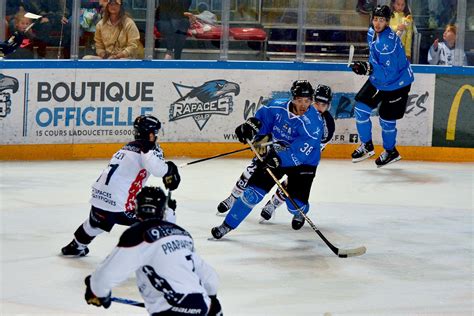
262 150
270 160
329 127
216 308
171 179
362 68
94 300
248 130
12 44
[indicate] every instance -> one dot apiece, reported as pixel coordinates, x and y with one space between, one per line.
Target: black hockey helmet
323 94
151 203
383 11
302 88
144 125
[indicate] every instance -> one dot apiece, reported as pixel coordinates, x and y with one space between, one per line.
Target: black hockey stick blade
127 301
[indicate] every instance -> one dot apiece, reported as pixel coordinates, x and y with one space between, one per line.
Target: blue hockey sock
389 133
242 207
304 207
363 122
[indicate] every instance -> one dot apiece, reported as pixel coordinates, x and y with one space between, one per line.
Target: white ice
415 218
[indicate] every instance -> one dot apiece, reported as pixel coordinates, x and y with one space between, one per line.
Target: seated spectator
442 53
402 24
54 28
173 25
116 35
25 50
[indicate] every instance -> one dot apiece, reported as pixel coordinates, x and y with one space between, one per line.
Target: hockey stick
351 55
341 253
127 301
222 155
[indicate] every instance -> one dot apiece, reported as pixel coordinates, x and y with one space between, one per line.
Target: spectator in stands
116 36
366 6
173 25
54 28
402 24
25 51
442 53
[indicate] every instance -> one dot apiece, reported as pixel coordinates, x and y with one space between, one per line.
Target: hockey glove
271 160
262 150
171 179
248 130
216 308
94 300
362 68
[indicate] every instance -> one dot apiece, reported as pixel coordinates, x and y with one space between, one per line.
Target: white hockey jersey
166 266
127 172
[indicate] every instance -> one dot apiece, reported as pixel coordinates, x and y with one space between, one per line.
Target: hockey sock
363 122
278 198
81 237
242 207
304 207
389 133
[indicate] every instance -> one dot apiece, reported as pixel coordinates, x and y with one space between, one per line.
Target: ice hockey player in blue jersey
297 128
322 102
390 78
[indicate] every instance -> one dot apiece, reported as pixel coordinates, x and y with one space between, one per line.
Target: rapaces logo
7 84
200 103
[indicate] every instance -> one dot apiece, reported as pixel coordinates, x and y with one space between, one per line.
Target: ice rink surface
415 218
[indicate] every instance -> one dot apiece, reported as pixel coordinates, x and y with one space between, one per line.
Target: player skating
297 127
390 78
322 102
171 277
113 193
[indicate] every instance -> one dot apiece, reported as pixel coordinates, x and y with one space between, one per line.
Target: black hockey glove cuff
94 300
248 130
216 308
172 178
270 160
362 68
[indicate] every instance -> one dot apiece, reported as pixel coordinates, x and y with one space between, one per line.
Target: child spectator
25 51
442 53
402 24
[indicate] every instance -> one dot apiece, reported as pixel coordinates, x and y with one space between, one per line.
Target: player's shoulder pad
149 231
136 146
387 42
278 103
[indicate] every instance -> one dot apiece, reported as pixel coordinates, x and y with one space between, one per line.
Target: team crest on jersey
7 84
200 103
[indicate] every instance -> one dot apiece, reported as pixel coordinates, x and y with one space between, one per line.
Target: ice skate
226 205
365 150
297 222
219 231
388 156
267 212
73 249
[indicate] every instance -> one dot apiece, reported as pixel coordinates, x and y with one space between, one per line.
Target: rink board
56 112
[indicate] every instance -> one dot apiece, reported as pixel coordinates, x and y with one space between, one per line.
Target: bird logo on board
200 103
7 83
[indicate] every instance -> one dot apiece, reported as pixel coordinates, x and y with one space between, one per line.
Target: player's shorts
392 103
105 220
300 180
192 304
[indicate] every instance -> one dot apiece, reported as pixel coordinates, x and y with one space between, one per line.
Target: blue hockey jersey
300 135
391 68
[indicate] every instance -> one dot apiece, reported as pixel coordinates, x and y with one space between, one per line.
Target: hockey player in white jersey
171 277
322 101
113 193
